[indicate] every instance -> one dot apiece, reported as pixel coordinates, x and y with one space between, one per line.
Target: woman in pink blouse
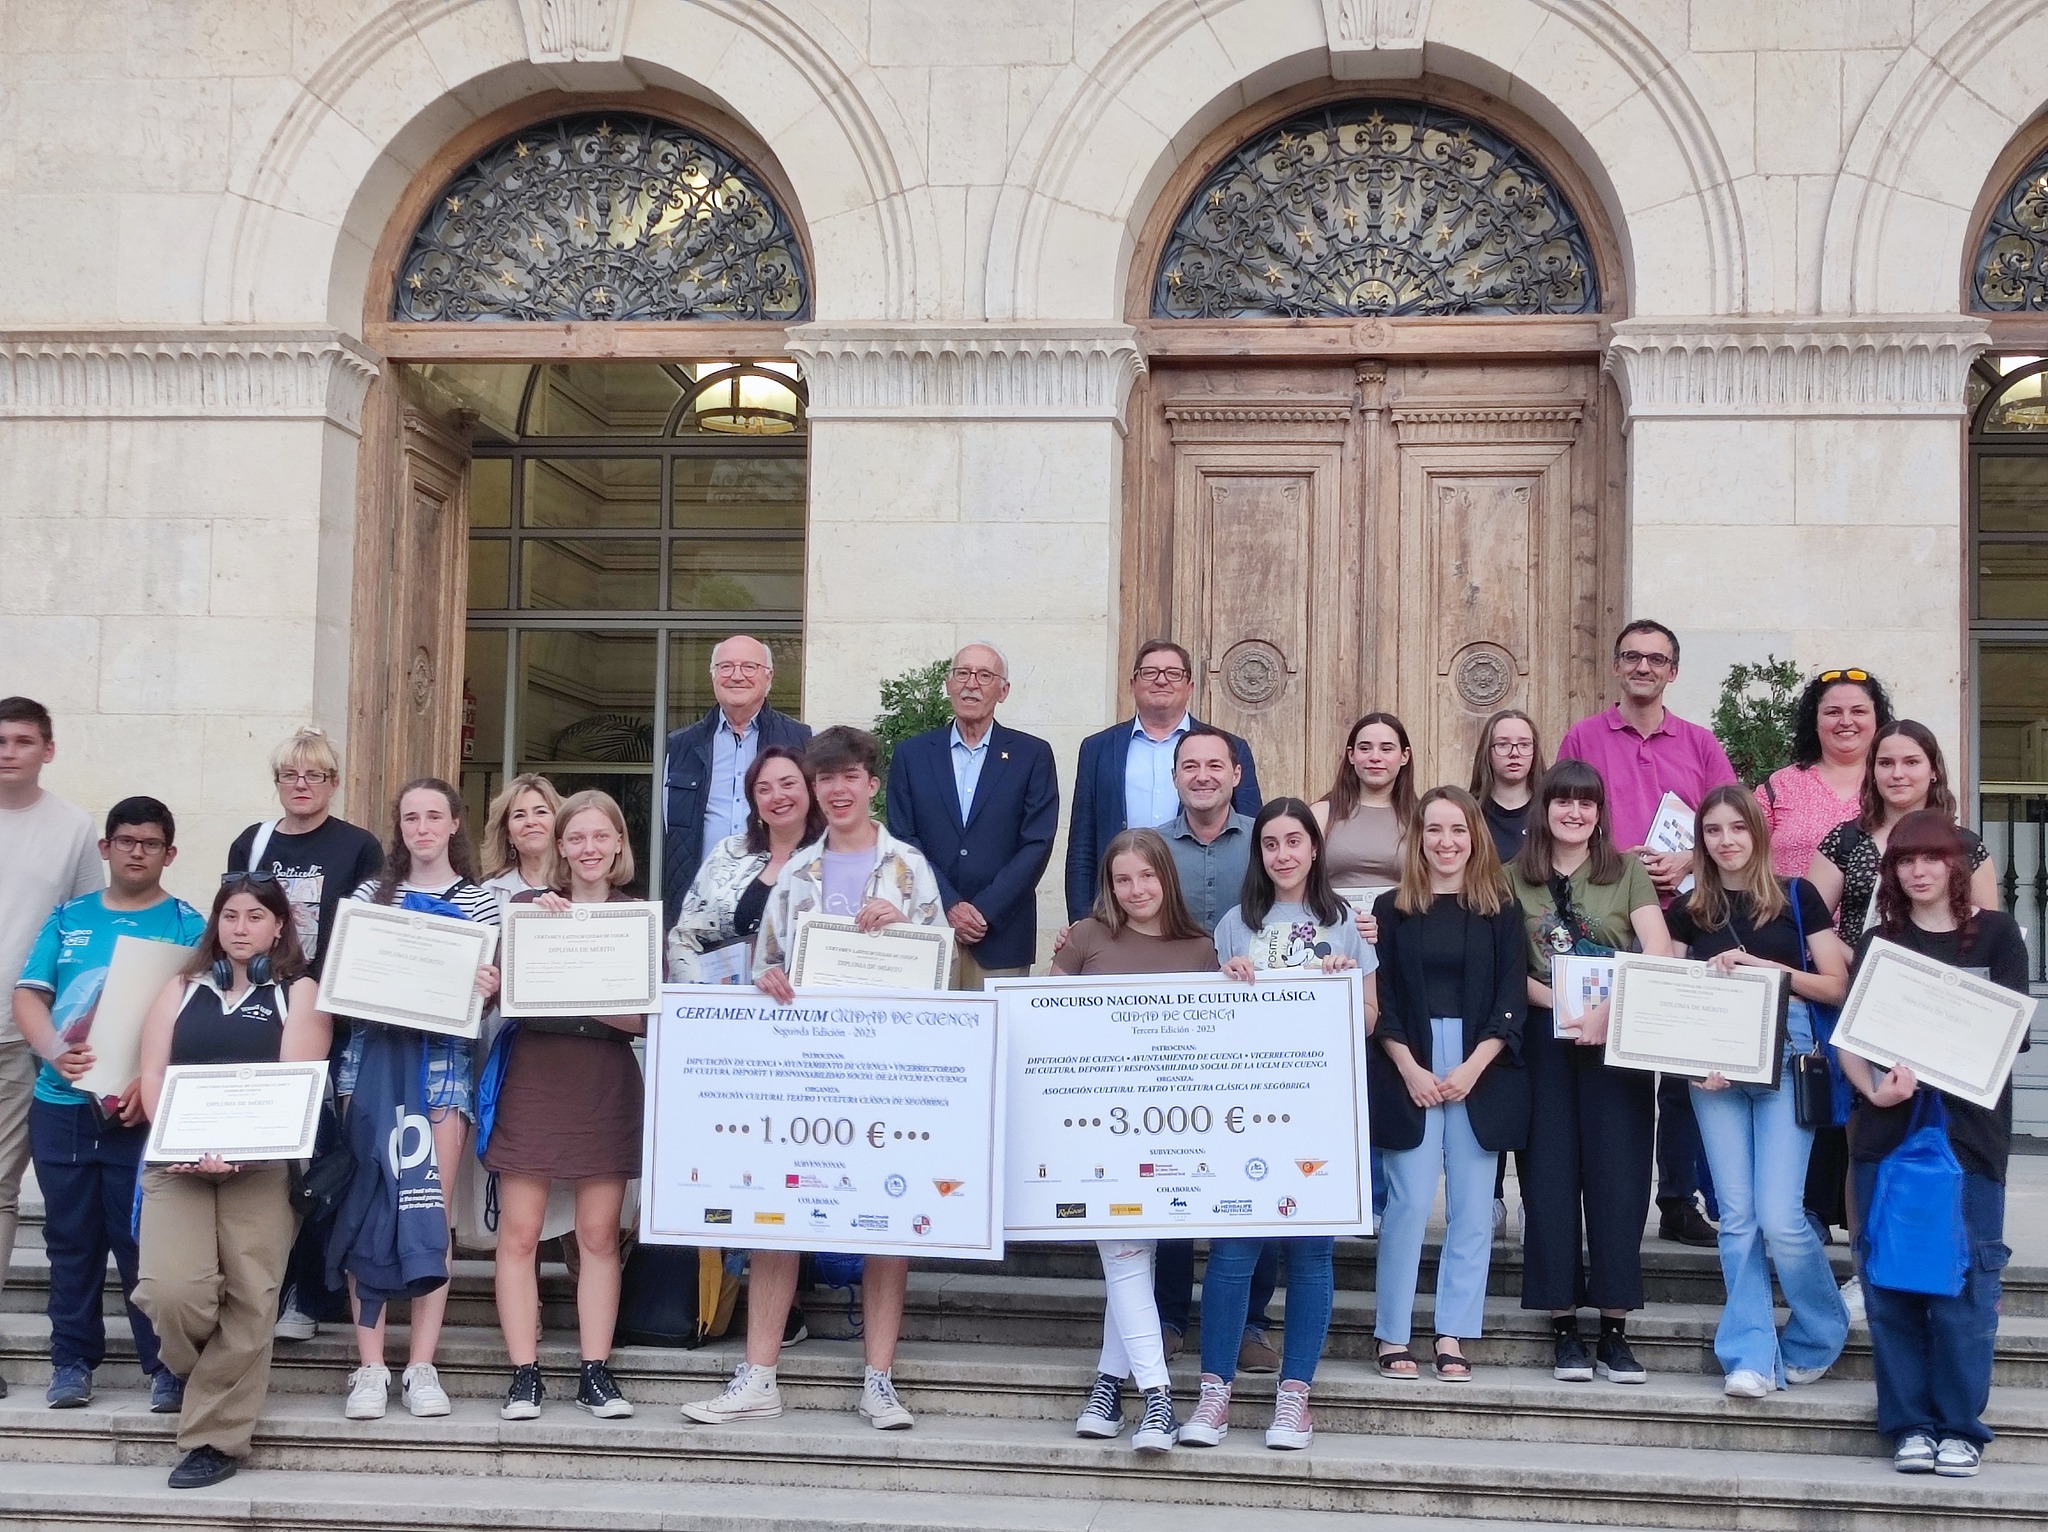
1834 726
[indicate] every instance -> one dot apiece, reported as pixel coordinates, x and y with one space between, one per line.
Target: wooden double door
1438 540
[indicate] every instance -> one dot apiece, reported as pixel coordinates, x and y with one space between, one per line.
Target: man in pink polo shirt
1643 750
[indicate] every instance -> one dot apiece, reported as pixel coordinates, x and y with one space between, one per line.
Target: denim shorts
451 1073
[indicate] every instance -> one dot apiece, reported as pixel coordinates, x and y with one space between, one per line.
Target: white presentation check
866 1121
1186 1104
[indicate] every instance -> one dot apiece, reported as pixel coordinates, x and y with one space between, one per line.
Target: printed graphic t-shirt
317 870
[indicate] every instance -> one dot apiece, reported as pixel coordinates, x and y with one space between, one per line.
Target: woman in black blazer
1447 1085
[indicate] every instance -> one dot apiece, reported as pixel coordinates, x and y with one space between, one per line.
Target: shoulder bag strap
261 843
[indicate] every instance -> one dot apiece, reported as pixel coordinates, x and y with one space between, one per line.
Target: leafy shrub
1754 716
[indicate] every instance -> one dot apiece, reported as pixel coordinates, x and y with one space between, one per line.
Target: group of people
1175 864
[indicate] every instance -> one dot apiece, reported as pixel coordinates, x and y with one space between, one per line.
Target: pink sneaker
1293 1426
1211 1421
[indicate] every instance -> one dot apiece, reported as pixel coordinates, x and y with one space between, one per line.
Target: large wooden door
1436 539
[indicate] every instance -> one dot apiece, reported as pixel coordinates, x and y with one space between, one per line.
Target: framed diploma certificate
404 968
238 1111
831 952
1681 1018
1956 1031
587 960
1362 896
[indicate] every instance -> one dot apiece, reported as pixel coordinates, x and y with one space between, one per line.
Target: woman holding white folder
215 1237
1740 915
1140 925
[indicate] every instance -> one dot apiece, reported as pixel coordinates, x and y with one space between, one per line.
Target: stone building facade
1069 321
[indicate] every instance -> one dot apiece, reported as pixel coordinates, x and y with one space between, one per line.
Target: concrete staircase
995 1361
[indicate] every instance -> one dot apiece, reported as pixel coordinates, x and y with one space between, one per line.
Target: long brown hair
1257 897
287 958
1175 923
1924 832
1709 902
398 856
1482 757
1345 792
499 854
1939 795
1486 886
1570 779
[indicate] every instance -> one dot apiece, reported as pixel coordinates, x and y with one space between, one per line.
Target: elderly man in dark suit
1125 777
704 774
982 802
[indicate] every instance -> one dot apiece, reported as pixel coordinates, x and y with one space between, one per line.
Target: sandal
1389 1361
1451 1367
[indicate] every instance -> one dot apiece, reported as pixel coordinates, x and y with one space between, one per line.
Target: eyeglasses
132 846
747 668
304 778
963 675
229 878
1159 673
1828 676
1514 747
1634 657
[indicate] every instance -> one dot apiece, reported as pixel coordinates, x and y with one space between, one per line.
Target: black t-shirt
1776 939
1509 828
1441 929
317 870
1981 1137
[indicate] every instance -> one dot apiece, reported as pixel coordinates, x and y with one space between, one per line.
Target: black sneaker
203 1466
794 1330
522 1399
1616 1363
1572 1364
1104 1416
597 1393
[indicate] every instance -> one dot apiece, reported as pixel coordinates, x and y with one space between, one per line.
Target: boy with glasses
318 859
87 1150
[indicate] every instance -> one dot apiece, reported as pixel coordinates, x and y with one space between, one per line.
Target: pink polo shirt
1679 757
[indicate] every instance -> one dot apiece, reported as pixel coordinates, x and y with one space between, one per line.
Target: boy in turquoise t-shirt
87 1153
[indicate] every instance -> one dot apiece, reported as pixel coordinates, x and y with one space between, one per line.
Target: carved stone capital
575 31
1376 39
946 372
221 374
1903 365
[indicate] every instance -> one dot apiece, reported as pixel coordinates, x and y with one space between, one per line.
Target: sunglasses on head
1827 677
230 878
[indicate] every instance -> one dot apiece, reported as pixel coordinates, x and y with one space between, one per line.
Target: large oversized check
863 1121
1186 1104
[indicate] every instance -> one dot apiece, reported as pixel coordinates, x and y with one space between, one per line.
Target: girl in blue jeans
1739 915
1288 917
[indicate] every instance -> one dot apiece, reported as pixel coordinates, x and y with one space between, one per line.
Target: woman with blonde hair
1449 1093
1739 914
569 1110
1140 924
519 835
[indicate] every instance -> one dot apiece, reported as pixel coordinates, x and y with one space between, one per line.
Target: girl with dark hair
1740 914
1140 925
1365 814
727 897
1834 724
1932 1355
1507 768
215 1237
1592 1128
430 865
1287 917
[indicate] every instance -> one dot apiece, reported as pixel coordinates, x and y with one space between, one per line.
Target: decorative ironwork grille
2010 273
1376 208
604 217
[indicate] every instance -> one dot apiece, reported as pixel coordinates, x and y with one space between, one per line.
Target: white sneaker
1852 1299
1956 1458
421 1389
751 1395
369 1393
294 1323
878 1401
1798 1376
1744 1384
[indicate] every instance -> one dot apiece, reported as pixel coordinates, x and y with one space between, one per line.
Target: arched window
604 216
2010 273
1375 207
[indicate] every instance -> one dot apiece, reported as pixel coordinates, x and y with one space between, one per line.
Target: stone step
116 1498
1672 1409
1477 1478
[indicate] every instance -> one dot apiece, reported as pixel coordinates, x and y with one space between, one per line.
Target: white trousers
1132 1346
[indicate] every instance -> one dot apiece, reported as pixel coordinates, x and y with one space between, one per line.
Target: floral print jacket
902 876
706 918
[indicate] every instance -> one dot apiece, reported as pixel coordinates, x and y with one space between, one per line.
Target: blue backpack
1914 1230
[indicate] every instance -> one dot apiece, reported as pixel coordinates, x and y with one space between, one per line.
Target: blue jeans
1173 1285
1757 1152
1932 1356
1226 1294
1448 1147
87 1172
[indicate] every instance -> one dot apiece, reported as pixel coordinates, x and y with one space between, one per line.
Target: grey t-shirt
1291 938
48 854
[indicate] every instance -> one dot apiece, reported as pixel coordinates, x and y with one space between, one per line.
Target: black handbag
1813 1090
318 1185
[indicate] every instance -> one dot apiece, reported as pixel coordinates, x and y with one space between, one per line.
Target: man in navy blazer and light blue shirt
982 802
1125 777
